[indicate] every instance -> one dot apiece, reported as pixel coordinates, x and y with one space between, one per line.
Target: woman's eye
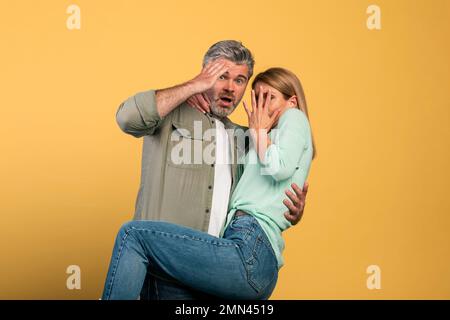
222 77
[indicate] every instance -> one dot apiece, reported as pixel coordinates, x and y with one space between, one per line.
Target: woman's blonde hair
289 85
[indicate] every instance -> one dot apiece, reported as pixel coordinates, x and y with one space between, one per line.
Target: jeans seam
251 259
217 243
267 242
239 250
260 241
113 271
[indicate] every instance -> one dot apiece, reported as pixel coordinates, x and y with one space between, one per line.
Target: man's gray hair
231 50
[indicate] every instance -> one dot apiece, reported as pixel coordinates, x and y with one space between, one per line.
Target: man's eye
239 81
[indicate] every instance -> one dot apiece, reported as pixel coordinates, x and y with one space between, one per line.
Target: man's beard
222 112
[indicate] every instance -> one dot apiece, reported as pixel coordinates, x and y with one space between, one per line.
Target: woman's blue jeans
241 265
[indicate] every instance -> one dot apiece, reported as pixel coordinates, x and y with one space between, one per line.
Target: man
195 194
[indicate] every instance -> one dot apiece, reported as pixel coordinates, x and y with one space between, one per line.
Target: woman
242 263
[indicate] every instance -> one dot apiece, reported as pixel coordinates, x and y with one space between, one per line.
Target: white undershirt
222 181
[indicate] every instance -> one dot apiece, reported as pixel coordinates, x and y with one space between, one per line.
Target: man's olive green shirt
172 192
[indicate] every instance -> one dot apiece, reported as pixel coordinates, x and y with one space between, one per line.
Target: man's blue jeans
241 265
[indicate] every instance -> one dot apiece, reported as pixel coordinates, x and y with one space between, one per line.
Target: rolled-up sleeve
138 115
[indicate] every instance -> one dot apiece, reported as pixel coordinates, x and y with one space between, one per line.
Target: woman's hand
258 117
260 122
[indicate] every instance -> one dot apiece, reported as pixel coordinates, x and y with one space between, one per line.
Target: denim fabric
157 288
241 265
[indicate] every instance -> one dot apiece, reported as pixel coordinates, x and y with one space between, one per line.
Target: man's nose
230 86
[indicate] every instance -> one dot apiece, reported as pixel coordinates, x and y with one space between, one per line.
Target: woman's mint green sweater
261 187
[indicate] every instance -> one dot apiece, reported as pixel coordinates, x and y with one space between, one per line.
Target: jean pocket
261 265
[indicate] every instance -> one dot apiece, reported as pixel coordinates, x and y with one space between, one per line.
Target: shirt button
209 187
212 165
207 210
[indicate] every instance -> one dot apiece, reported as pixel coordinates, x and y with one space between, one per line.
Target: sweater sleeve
289 139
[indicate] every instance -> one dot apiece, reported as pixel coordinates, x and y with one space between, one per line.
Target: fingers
273 118
253 100
221 70
215 67
293 219
293 215
297 203
205 96
260 98
267 101
218 67
208 66
211 73
295 200
213 64
301 194
305 188
192 101
295 206
260 105
247 110
290 206
203 103
199 102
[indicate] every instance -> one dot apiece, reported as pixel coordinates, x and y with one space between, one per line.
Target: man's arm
142 113
168 99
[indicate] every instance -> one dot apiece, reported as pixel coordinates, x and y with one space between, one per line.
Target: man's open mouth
226 100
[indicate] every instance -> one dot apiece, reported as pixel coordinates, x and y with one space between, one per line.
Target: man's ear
293 102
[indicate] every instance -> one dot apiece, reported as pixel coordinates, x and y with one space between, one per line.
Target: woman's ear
293 102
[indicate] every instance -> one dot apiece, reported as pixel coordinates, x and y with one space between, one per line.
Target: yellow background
378 103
